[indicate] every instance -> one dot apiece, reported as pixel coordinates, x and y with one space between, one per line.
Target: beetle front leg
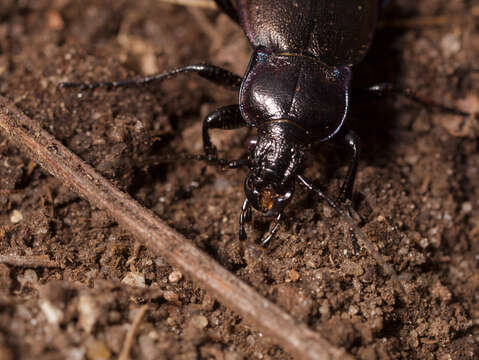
225 118
351 140
273 231
245 217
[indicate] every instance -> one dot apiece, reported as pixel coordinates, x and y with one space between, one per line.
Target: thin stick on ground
130 336
204 4
147 228
28 261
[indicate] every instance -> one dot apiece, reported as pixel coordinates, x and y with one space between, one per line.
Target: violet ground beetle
296 92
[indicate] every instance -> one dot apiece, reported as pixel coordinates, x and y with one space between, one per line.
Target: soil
417 191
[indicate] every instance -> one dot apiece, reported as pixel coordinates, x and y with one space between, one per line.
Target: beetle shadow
373 118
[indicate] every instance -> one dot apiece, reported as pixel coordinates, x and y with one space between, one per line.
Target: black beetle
296 92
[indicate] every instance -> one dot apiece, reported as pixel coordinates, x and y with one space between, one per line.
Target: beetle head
276 159
264 197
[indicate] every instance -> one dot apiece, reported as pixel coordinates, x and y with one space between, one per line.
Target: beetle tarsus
351 140
245 216
273 231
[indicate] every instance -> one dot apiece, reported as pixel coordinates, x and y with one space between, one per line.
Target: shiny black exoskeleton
295 92
296 88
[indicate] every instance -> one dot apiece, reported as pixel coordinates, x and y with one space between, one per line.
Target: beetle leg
225 118
273 231
245 217
209 72
384 89
357 230
227 7
351 140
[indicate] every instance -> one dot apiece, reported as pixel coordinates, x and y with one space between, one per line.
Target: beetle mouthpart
278 204
266 199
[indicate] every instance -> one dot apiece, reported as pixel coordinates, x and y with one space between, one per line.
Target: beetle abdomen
338 32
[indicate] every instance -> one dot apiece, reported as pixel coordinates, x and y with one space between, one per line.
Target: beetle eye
250 182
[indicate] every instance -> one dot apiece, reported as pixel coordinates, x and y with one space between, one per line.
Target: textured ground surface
417 192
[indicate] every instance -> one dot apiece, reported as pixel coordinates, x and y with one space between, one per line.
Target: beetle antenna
383 89
366 242
171 158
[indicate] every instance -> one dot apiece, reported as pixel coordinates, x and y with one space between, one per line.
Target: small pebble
77 353
88 312
352 268
424 243
450 44
53 314
292 276
175 276
54 20
134 279
96 350
171 296
466 207
30 276
199 322
16 216
353 310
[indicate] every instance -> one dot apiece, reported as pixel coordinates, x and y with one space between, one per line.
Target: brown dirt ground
417 192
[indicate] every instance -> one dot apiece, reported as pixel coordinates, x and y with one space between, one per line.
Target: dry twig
28 261
147 228
205 4
130 336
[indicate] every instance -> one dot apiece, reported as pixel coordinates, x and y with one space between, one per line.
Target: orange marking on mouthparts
267 197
